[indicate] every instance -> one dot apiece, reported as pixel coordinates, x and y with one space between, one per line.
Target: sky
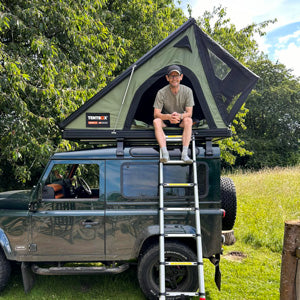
282 41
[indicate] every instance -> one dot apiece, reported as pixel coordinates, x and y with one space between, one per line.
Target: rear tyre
228 200
5 270
178 278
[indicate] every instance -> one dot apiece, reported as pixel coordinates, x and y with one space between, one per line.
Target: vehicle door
69 221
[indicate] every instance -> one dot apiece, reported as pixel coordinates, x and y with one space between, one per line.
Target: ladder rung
178 184
180 235
179 208
191 294
175 162
174 138
181 263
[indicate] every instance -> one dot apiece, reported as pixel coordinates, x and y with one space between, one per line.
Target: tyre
178 278
228 200
5 270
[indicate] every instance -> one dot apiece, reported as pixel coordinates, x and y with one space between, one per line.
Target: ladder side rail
162 288
199 263
198 225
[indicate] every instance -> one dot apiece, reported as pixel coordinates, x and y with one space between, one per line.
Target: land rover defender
101 205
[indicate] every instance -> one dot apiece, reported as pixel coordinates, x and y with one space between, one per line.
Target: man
173 107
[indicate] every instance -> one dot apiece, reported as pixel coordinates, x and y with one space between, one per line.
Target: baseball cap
174 68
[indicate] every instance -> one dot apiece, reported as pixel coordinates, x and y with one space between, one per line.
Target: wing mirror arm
37 197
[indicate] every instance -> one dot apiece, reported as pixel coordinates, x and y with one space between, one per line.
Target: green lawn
265 200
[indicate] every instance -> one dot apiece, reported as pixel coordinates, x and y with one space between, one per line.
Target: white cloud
241 13
289 57
245 12
262 44
285 39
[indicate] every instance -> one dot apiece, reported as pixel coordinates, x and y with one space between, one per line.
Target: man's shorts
169 124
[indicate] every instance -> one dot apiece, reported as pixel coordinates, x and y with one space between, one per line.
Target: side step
78 270
29 270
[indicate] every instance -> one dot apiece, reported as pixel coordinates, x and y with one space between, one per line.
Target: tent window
220 68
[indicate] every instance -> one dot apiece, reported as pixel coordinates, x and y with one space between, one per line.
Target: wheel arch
4 242
153 238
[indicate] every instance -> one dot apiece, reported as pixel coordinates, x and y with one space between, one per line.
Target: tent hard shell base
139 135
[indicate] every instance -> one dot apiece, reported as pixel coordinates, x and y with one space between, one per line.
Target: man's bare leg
161 138
186 124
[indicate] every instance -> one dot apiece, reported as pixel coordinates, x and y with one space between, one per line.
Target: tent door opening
142 106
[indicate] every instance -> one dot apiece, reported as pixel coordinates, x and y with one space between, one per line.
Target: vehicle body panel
114 225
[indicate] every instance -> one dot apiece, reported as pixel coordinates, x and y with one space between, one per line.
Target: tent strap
123 100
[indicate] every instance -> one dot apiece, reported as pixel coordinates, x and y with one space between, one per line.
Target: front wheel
5 270
178 278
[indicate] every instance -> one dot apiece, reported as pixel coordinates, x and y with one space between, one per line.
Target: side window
141 180
72 181
184 174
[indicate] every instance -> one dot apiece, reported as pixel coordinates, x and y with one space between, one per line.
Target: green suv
101 205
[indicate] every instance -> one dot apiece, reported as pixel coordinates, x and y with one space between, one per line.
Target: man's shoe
165 157
186 159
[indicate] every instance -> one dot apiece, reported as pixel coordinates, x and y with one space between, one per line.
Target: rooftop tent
124 108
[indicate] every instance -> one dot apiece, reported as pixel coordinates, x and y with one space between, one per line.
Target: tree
143 24
242 45
273 127
55 55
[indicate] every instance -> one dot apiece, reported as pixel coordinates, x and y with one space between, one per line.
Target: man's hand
175 118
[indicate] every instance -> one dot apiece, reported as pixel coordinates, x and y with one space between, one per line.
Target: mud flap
28 277
215 260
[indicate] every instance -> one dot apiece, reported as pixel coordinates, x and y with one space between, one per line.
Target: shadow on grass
106 286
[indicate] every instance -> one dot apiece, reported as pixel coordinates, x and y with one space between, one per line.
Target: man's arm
174 118
188 113
158 114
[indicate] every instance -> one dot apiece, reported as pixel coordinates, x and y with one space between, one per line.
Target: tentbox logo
97 120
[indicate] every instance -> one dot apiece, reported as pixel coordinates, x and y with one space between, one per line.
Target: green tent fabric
124 108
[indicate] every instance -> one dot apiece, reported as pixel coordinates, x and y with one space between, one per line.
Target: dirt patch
235 256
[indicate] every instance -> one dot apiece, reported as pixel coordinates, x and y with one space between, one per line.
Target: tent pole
132 71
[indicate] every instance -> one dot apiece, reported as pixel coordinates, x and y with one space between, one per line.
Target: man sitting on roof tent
173 107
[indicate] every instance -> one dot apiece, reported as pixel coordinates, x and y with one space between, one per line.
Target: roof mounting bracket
208 147
120 147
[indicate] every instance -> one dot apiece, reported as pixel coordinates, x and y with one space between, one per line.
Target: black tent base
138 136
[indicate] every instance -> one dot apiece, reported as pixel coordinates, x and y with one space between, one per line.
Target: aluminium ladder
162 263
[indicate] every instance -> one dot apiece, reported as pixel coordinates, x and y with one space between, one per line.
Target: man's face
174 79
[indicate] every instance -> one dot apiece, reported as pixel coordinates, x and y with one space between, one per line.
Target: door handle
89 224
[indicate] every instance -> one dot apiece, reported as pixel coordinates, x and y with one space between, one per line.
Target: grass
266 199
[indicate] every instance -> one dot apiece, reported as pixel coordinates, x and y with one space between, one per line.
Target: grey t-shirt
168 103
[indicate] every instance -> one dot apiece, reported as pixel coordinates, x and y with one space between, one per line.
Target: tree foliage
143 24
55 55
273 126
242 45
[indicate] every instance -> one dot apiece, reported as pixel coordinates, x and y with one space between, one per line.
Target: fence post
290 264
